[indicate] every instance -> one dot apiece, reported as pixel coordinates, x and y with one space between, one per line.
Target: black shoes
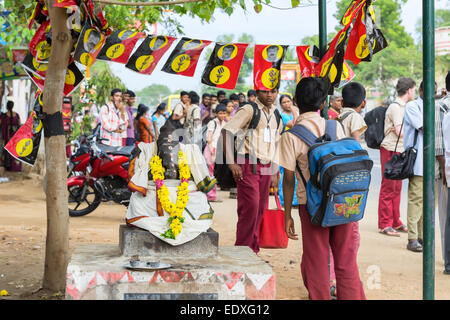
414 246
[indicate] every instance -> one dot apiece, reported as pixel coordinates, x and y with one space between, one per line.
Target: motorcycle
99 174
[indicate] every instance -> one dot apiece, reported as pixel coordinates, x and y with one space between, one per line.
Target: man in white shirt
446 138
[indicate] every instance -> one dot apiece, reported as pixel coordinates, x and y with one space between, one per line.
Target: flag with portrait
365 39
184 58
267 66
148 54
119 46
89 44
222 69
24 145
308 58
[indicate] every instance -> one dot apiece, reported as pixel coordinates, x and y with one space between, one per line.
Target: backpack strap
256 116
304 134
331 129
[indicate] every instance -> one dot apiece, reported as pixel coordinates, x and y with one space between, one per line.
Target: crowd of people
267 161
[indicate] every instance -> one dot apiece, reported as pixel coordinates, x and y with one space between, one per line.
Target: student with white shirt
446 137
214 128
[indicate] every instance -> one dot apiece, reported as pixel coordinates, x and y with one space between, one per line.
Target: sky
270 26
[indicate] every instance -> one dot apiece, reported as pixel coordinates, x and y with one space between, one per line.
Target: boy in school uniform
310 96
253 171
354 100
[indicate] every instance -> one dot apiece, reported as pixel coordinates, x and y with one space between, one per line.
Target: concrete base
135 241
97 272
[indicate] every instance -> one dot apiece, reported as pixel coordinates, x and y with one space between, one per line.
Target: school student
253 170
214 128
354 100
310 96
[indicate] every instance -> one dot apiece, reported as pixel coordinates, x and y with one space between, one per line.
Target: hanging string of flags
357 41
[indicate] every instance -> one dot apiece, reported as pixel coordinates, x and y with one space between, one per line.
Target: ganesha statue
170 180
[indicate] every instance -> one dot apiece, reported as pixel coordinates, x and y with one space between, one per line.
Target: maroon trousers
252 200
390 194
317 242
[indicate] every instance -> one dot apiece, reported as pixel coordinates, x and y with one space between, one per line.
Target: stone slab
135 241
97 272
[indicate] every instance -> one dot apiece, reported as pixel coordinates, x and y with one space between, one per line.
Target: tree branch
144 4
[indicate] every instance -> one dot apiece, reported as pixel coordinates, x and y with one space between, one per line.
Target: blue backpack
340 177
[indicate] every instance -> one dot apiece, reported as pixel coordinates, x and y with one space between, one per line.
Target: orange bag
272 234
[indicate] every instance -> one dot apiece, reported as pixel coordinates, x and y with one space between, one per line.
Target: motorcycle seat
120 151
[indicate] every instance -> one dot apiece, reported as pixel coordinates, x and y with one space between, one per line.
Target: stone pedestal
135 241
97 272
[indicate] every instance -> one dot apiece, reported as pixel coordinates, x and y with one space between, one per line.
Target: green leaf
258 8
295 3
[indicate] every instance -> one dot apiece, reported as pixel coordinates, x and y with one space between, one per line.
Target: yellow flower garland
175 210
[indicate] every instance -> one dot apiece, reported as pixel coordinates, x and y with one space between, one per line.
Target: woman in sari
10 123
289 116
146 133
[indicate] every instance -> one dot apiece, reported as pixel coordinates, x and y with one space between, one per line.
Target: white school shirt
446 137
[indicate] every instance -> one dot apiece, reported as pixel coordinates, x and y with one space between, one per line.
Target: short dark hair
447 81
221 93
114 91
225 101
353 94
310 93
131 93
234 96
206 95
421 86
195 99
403 85
183 93
221 107
251 93
9 105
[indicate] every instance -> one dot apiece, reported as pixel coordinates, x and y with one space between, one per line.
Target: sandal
402 228
389 231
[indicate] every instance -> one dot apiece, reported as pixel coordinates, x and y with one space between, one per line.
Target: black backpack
222 173
374 134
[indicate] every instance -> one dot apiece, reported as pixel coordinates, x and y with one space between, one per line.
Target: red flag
222 70
184 58
65 3
308 58
73 79
39 42
40 14
365 38
24 145
267 65
352 11
119 45
148 54
332 62
89 44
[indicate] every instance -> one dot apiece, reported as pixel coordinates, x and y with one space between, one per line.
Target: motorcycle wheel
80 206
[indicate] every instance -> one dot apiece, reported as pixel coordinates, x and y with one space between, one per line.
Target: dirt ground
387 269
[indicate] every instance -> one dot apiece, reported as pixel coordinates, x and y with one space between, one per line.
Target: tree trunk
57 242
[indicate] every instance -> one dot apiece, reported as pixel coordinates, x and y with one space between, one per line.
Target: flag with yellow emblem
222 70
267 66
119 46
184 58
365 38
73 79
89 44
308 58
148 54
24 145
332 63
